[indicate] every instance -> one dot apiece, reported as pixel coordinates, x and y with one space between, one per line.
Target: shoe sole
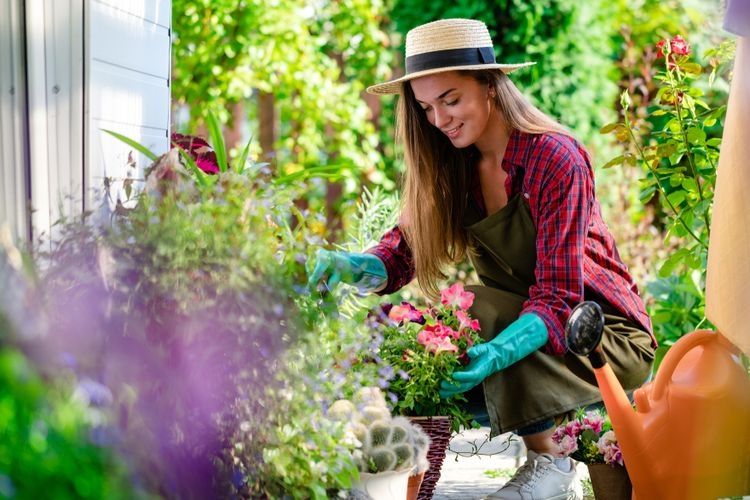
564 496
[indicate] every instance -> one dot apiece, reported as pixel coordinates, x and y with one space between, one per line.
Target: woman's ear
491 91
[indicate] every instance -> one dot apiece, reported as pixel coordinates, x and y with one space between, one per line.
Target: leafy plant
679 157
422 347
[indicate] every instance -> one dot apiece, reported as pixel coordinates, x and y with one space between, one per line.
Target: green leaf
608 128
200 176
217 139
676 198
646 194
617 160
674 260
133 144
692 68
242 159
696 135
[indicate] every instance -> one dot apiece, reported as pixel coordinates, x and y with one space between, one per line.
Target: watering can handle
675 355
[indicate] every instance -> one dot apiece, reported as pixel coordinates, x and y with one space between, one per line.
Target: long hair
438 175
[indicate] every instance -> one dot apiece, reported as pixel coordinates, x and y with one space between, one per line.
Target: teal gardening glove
363 270
522 337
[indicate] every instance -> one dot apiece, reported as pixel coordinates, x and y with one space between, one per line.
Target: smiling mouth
453 132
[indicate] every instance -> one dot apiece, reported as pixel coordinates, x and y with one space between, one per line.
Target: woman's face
459 106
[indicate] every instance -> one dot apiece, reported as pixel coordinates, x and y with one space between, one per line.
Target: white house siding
13 159
88 65
128 74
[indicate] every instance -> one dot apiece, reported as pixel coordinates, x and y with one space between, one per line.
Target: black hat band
449 58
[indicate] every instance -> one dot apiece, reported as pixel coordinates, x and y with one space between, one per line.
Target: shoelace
523 474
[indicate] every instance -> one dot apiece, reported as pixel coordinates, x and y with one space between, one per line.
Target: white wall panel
54 52
129 41
128 74
156 11
13 159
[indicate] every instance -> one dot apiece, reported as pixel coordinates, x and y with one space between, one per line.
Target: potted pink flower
423 346
589 438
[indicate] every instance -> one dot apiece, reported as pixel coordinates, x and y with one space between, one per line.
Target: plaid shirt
576 255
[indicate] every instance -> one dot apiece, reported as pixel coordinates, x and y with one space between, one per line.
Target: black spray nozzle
584 328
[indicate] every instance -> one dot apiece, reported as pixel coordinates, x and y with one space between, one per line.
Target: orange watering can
689 435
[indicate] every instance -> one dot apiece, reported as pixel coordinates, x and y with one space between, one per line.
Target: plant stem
658 182
691 164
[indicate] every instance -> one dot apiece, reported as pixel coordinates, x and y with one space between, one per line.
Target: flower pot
412 489
389 485
610 482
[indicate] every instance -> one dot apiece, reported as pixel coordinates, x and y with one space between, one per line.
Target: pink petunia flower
405 312
466 322
456 296
435 343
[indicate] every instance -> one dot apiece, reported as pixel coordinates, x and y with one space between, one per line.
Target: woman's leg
541 442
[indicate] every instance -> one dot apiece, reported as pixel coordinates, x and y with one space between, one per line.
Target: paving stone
476 466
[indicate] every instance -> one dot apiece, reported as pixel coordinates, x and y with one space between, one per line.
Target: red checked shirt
576 255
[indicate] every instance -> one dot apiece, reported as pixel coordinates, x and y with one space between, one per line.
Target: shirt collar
514 151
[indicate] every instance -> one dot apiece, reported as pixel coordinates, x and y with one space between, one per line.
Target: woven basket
439 431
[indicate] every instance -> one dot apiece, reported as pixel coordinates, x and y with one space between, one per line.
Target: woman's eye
427 109
452 103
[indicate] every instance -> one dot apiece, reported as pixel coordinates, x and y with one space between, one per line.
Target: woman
490 176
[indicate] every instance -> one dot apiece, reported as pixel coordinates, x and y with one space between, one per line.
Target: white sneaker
542 477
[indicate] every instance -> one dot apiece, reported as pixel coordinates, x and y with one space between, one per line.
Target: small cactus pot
415 481
389 485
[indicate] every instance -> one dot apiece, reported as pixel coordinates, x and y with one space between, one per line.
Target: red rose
679 46
660 48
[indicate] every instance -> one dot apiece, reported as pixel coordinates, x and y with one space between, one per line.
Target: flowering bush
589 438
677 145
422 347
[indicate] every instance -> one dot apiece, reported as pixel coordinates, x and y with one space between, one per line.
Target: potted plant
420 347
589 438
388 449
424 346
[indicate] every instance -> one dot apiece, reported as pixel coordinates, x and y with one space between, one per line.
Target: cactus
419 442
387 443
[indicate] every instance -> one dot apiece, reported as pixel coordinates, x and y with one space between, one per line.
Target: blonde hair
438 175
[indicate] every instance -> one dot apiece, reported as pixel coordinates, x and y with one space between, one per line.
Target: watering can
689 435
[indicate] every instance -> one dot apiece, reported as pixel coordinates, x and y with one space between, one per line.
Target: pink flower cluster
436 336
572 437
609 448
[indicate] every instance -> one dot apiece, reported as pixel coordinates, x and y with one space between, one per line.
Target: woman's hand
362 270
522 337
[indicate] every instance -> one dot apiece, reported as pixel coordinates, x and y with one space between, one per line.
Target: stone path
475 466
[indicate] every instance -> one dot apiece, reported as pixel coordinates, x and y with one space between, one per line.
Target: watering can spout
584 331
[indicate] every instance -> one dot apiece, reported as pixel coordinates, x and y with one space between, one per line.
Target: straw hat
446 45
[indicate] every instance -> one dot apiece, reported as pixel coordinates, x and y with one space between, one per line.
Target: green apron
540 386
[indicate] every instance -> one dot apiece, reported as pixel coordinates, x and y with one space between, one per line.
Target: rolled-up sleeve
396 255
561 206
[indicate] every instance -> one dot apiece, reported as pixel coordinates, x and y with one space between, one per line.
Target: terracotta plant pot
412 489
610 482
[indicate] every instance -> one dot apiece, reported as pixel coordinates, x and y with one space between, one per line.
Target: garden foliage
677 146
